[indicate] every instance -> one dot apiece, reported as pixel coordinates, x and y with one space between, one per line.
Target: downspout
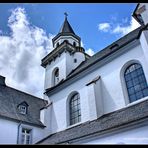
18 131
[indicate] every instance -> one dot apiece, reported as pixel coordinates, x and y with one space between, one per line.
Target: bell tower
67 34
67 54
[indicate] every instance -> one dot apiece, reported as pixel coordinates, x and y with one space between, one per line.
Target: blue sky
26 31
84 19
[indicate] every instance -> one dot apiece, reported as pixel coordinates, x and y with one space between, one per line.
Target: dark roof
113 120
66 28
108 50
10 98
103 54
59 50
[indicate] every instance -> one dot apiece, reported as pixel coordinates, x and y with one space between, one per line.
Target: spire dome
66 28
66 33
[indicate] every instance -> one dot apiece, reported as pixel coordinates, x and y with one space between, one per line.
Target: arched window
66 41
136 84
57 44
74 44
75 110
56 76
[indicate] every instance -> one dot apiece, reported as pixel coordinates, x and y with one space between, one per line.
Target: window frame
124 88
20 107
74 113
55 78
20 133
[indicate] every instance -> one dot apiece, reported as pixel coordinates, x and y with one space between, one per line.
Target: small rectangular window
75 60
26 136
22 109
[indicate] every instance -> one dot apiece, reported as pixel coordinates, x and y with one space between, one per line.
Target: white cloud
21 53
105 27
121 29
90 52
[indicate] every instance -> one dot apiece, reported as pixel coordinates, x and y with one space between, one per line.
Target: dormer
23 107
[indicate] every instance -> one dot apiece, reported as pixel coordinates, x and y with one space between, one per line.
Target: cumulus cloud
123 30
21 53
104 27
120 29
90 52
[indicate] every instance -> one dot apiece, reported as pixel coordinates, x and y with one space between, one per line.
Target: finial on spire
65 14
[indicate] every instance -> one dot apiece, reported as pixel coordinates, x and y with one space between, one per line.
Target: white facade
10 132
70 39
106 94
65 63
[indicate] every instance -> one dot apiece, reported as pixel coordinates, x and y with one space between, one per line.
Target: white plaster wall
65 63
137 135
9 132
59 109
70 39
112 91
59 62
70 65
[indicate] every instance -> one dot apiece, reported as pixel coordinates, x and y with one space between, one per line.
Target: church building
99 99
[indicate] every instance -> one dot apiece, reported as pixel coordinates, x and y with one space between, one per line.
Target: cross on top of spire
65 14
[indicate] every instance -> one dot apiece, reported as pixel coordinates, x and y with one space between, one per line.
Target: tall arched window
75 110
74 44
57 44
136 84
56 76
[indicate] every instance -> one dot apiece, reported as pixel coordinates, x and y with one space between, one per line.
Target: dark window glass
74 44
57 44
75 110
135 82
56 76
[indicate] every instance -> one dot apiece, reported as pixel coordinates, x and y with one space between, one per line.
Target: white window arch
74 109
133 81
55 76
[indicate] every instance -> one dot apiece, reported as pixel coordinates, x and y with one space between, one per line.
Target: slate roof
10 98
130 115
103 54
117 45
66 28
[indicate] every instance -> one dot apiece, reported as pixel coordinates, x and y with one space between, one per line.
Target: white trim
137 101
123 83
